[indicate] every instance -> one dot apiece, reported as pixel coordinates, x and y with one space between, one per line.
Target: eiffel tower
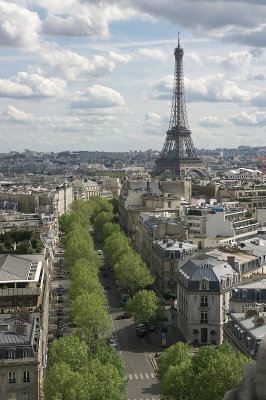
178 156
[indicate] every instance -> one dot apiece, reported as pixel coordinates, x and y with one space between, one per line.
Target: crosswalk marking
143 375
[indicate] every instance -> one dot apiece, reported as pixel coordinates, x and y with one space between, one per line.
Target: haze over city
98 75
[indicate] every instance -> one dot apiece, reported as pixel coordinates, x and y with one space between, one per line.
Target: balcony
29 291
204 305
204 321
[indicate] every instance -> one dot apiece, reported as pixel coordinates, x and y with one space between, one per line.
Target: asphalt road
135 351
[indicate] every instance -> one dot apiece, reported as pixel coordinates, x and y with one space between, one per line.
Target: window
11 354
204 285
171 279
204 301
203 317
25 354
244 294
169 204
26 376
11 396
26 396
257 295
12 377
172 266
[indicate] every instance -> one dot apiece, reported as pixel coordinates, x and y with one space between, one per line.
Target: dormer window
11 354
204 284
244 295
257 295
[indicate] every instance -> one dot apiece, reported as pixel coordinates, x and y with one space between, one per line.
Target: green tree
62 383
115 203
146 307
132 272
114 387
221 375
173 356
69 350
107 355
101 219
63 222
115 246
91 317
98 205
177 381
108 229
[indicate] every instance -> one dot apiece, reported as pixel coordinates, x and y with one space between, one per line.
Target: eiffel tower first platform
178 156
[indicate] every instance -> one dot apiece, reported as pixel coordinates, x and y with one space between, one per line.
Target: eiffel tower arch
179 156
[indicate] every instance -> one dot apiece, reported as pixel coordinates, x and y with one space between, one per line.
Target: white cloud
237 63
258 118
152 119
211 122
85 19
97 96
164 85
13 114
119 59
215 88
19 27
155 54
31 85
79 68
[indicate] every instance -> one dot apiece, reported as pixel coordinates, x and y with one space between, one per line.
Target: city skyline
88 75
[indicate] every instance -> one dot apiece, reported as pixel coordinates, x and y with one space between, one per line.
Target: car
60 311
112 342
123 316
139 325
60 299
99 252
60 332
105 274
107 288
61 275
60 292
152 328
102 267
60 321
141 332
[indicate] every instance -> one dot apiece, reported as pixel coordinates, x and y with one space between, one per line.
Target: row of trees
78 364
206 375
131 271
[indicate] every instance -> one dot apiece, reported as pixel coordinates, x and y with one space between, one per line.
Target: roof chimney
20 327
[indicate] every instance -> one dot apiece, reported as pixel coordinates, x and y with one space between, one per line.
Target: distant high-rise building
178 156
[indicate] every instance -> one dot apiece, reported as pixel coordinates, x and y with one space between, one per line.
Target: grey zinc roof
209 268
257 331
9 337
13 268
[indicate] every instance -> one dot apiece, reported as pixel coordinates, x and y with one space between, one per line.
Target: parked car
139 325
105 274
60 311
107 288
123 316
60 332
141 332
60 299
99 252
60 321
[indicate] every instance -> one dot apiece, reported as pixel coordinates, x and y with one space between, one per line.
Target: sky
98 75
